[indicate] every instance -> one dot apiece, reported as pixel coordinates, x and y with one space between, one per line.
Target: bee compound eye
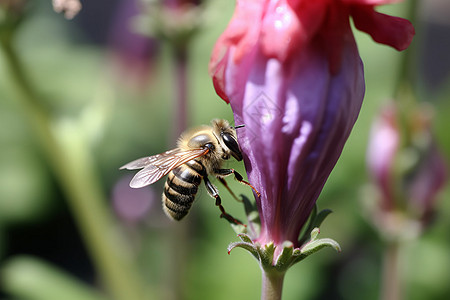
232 144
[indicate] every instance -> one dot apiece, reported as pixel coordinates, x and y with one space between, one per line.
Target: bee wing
157 166
146 161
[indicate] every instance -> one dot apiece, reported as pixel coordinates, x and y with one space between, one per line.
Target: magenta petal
392 31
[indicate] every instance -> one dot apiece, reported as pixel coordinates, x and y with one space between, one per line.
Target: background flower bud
405 163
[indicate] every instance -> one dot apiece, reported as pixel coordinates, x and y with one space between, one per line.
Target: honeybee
200 152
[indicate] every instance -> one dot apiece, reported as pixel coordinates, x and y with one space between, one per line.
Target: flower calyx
281 258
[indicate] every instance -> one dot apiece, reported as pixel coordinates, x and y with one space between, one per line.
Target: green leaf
26 277
321 217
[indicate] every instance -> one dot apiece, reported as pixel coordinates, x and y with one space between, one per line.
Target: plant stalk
391 277
180 232
73 166
181 92
272 285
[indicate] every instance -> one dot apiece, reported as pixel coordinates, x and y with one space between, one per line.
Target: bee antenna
239 126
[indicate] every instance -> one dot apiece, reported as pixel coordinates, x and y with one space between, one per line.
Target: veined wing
157 166
145 161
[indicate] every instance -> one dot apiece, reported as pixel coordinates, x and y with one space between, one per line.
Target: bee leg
225 172
212 190
228 188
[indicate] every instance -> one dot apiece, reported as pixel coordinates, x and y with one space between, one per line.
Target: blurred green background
106 111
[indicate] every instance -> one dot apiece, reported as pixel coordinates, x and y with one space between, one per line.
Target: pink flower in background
405 163
132 52
383 146
132 205
292 74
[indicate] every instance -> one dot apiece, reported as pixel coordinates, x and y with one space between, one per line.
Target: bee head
226 135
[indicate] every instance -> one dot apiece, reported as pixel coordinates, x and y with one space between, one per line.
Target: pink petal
281 31
287 26
392 31
217 68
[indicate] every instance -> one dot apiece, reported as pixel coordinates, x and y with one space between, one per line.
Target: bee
200 152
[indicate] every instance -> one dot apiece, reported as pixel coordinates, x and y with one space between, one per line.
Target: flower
132 53
383 145
405 164
132 205
292 74
70 8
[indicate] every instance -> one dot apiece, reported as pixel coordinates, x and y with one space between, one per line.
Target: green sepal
320 217
245 238
307 230
254 223
288 256
248 205
246 244
315 220
315 244
266 255
284 260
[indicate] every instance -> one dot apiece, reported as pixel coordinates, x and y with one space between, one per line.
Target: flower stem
181 97
72 164
180 233
391 280
272 285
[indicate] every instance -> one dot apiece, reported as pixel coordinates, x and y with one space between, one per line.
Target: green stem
391 277
180 58
272 285
180 233
71 161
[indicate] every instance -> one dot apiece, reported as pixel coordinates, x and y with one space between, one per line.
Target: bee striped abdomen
180 189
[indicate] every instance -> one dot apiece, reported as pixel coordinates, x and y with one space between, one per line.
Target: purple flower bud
292 74
296 124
